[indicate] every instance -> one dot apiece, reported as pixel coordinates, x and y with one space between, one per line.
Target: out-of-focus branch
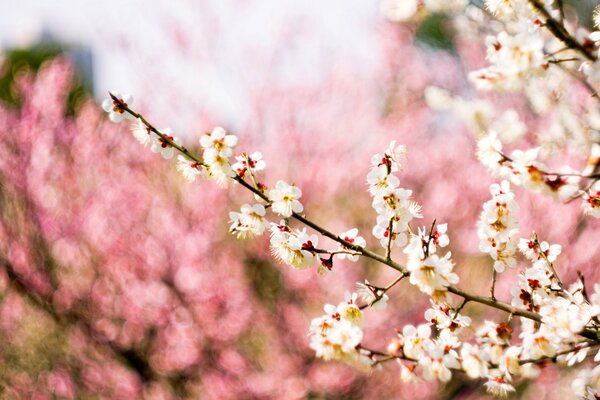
560 32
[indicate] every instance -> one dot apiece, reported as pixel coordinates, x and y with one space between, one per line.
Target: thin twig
493 284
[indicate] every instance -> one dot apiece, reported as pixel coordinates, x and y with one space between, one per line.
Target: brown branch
560 32
489 301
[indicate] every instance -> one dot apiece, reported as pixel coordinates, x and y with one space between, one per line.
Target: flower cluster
498 228
393 204
218 148
293 247
431 273
250 222
522 168
337 334
514 58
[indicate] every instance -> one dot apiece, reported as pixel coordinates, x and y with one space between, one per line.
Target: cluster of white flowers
157 144
351 236
285 199
218 148
514 58
250 222
337 334
523 169
393 204
431 273
537 282
434 357
292 246
498 227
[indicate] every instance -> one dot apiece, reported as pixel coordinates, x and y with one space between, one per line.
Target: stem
493 284
563 60
252 177
388 252
550 265
459 309
488 301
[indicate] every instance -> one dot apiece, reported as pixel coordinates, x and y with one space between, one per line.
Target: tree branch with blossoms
433 349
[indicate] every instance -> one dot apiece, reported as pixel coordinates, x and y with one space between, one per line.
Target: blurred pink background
119 280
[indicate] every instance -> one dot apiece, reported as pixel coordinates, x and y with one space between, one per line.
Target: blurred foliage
583 9
265 279
435 31
20 60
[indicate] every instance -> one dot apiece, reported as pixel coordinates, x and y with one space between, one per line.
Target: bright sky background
231 47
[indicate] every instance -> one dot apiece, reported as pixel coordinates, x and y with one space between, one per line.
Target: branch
491 302
560 32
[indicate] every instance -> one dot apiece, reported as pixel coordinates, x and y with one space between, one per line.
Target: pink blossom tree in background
120 279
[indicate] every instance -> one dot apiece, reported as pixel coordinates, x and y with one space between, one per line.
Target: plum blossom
474 361
293 247
498 227
219 141
284 199
162 146
337 334
252 163
489 151
116 113
249 222
351 236
433 274
394 236
381 182
514 59
142 133
445 318
415 339
498 386
591 201
188 168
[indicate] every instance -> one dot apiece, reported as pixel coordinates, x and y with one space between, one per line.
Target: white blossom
142 133
162 146
285 199
189 169
219 141
252 163
351 236
249 222
116 113
293 247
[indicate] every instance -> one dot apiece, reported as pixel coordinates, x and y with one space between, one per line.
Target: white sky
232 47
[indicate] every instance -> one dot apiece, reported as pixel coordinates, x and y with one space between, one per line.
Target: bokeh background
119 280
